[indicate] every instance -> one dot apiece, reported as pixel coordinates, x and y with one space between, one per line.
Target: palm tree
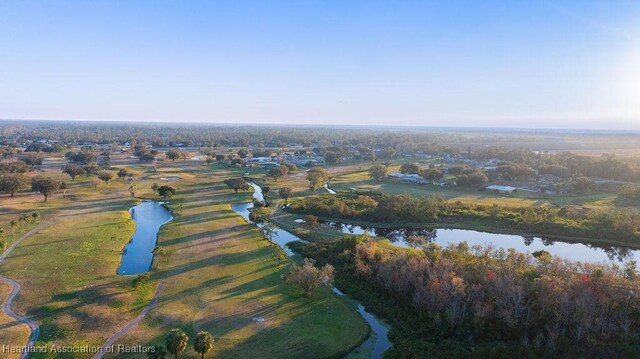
3 240
203 343
14 225
157 352
24 218
176 342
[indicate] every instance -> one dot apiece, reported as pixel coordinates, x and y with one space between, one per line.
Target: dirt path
15 289
132 324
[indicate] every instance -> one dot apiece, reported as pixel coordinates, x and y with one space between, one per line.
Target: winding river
137 255
377 343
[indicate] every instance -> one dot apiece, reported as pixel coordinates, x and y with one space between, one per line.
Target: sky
491 63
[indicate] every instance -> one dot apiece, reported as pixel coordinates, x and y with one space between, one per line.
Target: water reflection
575 251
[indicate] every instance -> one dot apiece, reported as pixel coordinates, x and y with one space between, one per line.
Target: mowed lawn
219 275
67 269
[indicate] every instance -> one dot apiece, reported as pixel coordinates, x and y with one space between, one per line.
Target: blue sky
520 63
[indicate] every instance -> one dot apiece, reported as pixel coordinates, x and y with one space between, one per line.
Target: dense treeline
566 164
480 302
623 224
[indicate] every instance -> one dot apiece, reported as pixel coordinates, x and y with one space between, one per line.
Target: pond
377 343
575 251
137 255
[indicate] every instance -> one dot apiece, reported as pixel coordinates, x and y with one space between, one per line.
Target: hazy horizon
532 64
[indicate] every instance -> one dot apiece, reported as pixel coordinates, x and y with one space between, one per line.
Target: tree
123 172
35 216
13 182
220 158
279 255
431 174
236 184
166 191
377 172
173 155
409 168
203 343
317 176
243 153
106 176
285 193
582 184
73 170
45 186
332 157
209 160
141 280
91 169
307 277
277 172
415 241
3 240
176 342
311 222
472 178
13 225
265 190
154 187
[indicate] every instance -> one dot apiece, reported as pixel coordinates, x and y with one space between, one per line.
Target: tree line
463 301
621 224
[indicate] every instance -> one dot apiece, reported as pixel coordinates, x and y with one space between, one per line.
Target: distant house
408 178
501 189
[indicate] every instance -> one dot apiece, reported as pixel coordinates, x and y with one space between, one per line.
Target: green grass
219 275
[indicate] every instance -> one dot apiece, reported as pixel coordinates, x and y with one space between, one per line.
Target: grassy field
219 275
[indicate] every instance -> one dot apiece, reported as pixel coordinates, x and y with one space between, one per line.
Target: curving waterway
137 255
378 342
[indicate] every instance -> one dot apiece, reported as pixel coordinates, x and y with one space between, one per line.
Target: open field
218 274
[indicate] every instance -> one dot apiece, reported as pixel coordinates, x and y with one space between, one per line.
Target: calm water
148 216
574 251
377 343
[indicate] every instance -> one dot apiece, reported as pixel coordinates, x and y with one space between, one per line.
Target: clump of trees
285 193
482 302
629 192
45 185
13 182
177 341
237 184
14 167
82 157
317 176
166 191
73 170
308 277
472 178
106 176
378 172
